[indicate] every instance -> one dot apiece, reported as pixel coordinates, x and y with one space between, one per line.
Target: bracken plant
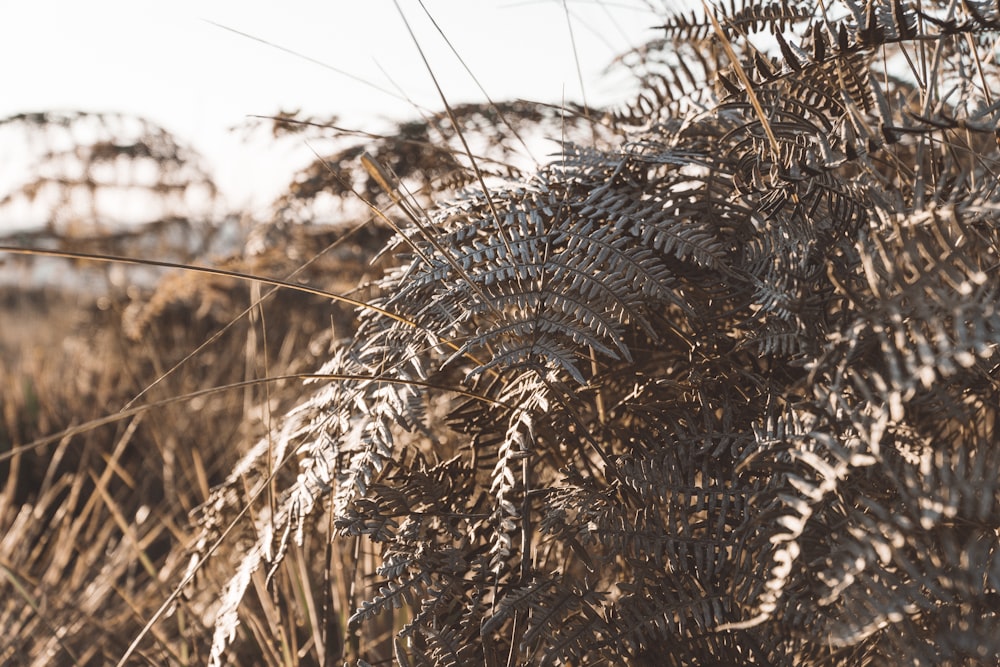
722 389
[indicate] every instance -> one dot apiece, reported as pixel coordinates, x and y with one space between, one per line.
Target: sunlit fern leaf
935 302
553 289
911 512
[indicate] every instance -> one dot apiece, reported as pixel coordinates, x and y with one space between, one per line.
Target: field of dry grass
110 439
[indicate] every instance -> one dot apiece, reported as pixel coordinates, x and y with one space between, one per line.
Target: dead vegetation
94 523
716 386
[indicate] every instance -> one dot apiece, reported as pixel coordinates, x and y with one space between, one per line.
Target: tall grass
95 521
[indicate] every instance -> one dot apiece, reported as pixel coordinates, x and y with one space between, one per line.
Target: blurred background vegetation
93 521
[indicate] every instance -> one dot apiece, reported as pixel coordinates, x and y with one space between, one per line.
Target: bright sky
171 62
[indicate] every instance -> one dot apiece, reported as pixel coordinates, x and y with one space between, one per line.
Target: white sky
167 61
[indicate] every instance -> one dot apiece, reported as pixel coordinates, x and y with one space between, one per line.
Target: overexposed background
184 65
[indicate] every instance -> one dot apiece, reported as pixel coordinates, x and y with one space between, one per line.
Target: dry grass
94 525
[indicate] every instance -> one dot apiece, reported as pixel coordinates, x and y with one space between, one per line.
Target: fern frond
728 387
740 19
